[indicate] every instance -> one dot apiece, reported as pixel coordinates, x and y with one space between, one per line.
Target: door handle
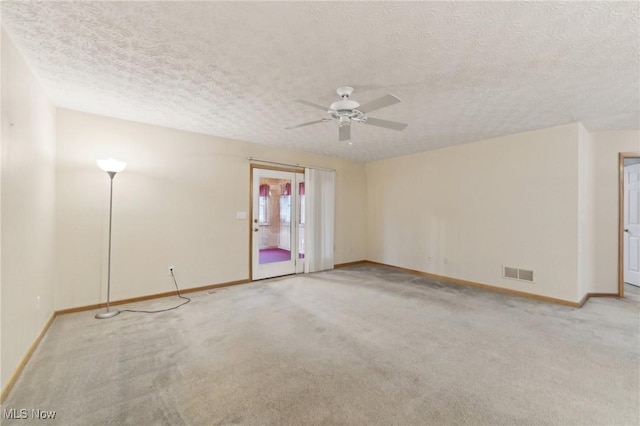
256 229
626 230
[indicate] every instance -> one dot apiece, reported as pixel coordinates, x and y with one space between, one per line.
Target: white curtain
319 219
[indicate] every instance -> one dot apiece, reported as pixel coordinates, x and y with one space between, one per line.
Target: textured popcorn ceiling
465 71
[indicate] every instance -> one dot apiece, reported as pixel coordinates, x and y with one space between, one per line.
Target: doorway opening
628 221
277 224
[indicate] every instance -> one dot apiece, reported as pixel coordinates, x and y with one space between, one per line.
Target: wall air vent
525 275
510 272
517 274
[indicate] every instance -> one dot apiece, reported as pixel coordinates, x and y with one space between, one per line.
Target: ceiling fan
347 110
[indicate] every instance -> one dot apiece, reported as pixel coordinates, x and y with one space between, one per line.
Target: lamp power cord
187 300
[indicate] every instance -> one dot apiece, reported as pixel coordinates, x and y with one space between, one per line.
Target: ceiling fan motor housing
345 110
344 105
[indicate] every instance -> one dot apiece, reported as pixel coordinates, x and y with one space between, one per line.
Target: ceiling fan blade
386 123
345 133
382 102
312 104
308 124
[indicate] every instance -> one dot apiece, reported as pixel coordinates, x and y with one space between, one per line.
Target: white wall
175 204
506 201
606 146
28 197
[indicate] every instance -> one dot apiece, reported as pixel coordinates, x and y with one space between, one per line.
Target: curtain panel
319 187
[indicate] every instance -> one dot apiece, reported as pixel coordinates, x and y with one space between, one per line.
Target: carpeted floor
271 255
359 346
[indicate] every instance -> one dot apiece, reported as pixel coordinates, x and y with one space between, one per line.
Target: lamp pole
112 167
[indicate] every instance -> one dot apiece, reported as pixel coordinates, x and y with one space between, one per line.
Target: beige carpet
360 345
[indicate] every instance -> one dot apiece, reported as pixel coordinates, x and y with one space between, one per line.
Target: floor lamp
112 167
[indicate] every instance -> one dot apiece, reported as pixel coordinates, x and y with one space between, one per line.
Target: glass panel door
274 223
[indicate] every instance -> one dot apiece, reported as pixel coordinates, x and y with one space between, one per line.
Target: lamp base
107 314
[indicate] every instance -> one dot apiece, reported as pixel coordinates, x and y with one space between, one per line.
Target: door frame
621 157
253 166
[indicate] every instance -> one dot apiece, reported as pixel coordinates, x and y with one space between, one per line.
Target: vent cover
517 274
525 275
511 272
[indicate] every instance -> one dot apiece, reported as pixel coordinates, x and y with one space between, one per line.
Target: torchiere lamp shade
111 165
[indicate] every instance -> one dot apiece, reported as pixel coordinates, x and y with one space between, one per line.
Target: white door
274 231
632 224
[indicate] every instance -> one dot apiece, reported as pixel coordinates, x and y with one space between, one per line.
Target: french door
277 223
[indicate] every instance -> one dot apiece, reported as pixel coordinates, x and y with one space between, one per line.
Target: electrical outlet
37 303
171 268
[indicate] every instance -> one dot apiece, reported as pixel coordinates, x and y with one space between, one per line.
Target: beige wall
548 201
586 218
605 149
28 197
175 204
506 201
